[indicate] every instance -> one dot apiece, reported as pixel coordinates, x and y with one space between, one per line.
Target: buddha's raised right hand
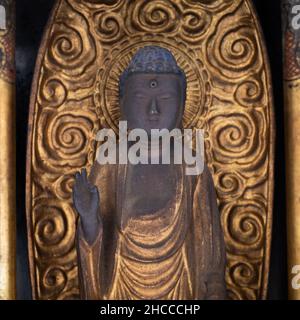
87 203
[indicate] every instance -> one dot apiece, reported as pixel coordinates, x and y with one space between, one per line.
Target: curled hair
152 59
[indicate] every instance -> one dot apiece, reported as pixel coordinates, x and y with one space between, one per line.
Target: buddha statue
149 231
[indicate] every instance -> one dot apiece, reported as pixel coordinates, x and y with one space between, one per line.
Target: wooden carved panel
87 45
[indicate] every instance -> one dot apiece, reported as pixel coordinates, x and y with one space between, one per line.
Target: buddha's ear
183 89
121 101
183 99
122 111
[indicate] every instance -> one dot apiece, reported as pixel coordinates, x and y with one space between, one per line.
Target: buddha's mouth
153 118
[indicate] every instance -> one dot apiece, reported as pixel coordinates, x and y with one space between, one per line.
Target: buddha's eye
140 96
166 97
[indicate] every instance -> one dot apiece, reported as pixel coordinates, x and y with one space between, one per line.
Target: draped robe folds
175 253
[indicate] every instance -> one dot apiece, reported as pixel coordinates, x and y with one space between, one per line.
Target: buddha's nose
154 107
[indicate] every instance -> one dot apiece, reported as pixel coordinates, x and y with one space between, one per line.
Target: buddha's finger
76 182
75 189
84 175
95 191
77 176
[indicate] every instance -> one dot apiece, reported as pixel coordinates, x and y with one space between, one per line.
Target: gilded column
291 29
7 152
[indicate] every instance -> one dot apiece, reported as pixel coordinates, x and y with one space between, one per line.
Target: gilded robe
175 253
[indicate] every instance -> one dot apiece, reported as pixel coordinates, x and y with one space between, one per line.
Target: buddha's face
153 101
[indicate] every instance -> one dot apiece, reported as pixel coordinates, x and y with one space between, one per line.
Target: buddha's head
152 90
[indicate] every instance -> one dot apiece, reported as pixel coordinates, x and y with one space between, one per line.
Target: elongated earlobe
123 117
